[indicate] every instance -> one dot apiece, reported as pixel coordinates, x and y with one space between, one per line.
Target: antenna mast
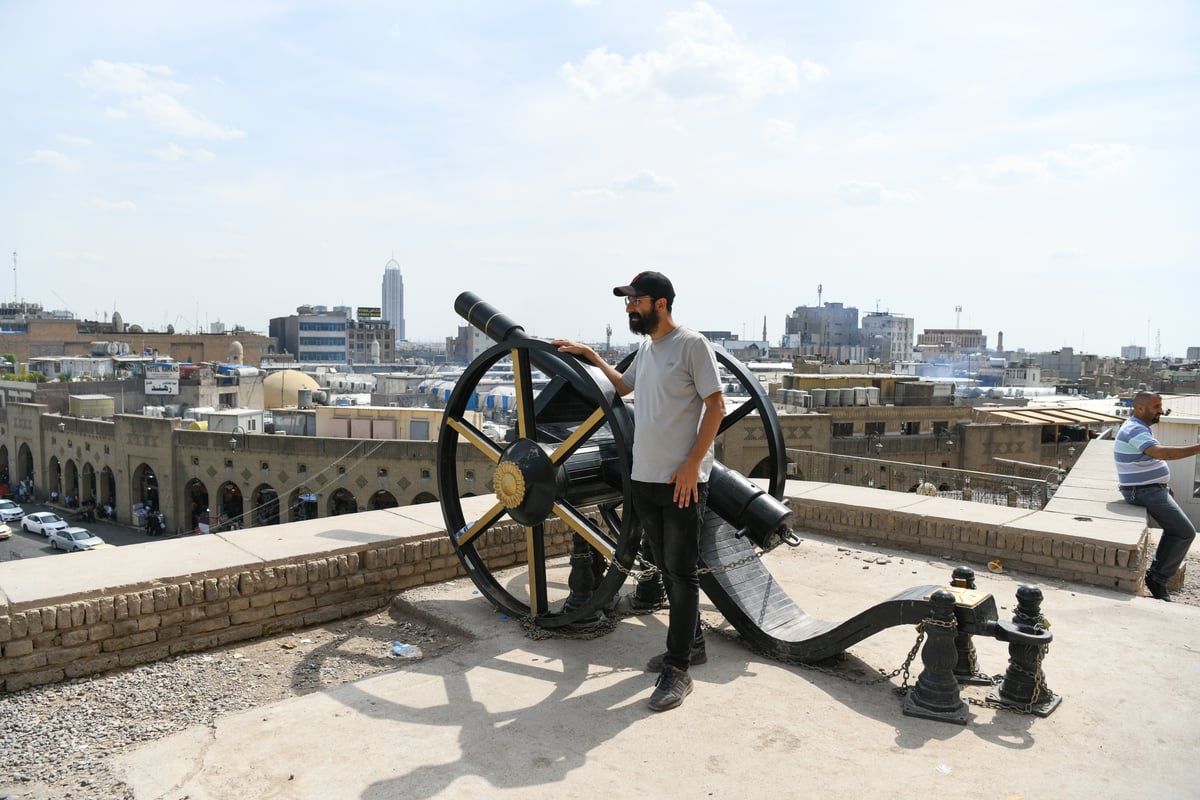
958 317
16 294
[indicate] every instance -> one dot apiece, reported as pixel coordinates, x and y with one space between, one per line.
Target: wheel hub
525 482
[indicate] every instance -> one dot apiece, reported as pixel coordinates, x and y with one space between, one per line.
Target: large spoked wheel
571 448
756 401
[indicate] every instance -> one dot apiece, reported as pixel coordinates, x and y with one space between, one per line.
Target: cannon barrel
487 318
501 328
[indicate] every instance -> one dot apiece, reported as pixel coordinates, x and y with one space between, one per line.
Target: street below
33 545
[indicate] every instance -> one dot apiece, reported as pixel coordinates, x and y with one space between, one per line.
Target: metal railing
900 476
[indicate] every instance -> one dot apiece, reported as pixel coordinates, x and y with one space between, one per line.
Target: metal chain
608 623
1039 685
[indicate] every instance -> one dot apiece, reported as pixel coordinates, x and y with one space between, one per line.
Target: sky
1034 164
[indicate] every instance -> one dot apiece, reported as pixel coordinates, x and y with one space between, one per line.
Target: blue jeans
1177 530
674 537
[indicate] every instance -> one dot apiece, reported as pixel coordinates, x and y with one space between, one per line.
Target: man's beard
644 324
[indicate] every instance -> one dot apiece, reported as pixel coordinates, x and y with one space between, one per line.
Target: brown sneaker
669 690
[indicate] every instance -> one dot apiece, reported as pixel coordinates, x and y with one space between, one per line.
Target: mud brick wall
56 641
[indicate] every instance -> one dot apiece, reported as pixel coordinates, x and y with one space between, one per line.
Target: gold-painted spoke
578 437
584 527
523 378
467 534
473 435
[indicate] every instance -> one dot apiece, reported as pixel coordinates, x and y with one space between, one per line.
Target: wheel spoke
578 437
535 552
476 438
585 528
464 537
732 417
523 378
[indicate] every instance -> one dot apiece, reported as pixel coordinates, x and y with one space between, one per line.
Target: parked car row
60 534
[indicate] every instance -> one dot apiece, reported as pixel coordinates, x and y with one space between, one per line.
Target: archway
425 497
265 510
108 487
5 475
70 489
54 480
196 495
342 502
145 487
24 463
87 485
302 504
382 499
229 506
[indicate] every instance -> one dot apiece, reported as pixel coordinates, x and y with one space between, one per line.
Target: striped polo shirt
1134 467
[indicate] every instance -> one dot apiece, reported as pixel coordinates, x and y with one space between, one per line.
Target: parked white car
72 539
10 511
5 531
43 522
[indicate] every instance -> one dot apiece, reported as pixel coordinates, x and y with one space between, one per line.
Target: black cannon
571 451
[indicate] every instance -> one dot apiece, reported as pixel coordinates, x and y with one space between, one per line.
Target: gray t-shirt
670 379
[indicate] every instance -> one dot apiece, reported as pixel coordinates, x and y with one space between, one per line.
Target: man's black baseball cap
654 284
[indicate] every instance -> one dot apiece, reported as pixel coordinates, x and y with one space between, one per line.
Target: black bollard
966 670
582 578
649 594
936 694
1024 686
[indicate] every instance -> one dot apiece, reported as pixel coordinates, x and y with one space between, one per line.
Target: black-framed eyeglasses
635 300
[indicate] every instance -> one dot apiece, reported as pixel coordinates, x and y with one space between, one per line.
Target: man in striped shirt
1143 476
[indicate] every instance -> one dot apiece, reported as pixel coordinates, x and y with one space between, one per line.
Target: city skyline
1032 165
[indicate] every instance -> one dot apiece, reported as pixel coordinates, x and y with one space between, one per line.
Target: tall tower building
393 298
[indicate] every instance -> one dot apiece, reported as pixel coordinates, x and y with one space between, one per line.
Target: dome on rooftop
280 388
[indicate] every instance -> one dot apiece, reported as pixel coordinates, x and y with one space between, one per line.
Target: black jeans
674 537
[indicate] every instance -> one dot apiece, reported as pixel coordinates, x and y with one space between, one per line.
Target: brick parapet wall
1037 552
80 636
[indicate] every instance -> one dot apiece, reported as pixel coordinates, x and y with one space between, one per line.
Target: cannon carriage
568 457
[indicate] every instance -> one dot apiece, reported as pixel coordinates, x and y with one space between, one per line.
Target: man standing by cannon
1143 476
679 409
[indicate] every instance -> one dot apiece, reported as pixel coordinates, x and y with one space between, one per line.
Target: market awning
1048 416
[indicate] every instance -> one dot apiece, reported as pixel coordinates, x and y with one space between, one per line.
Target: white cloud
872 139
148 91
101 204
704 57
53 159
174 152
81 141
1067 254
1091 160
645 181
863 193
1076 161
779 132
858 193
813 72
599 192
